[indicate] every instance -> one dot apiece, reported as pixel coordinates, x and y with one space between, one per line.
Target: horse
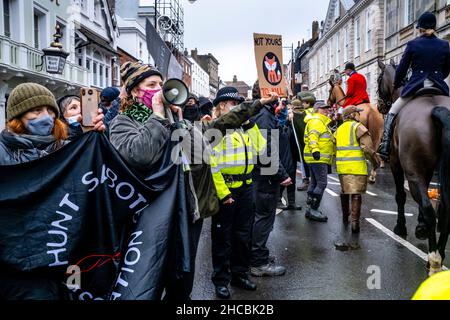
370 118
420 146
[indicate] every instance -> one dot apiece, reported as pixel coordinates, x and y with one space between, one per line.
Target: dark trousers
291 190
319 179
180 289
266 195
231 232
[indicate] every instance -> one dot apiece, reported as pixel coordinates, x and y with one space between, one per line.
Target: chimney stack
234 79
315 30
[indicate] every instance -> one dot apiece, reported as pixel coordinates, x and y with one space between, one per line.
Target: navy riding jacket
429 58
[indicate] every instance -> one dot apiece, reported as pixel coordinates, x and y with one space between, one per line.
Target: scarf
138 112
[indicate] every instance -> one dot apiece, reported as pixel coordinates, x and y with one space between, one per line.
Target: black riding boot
385 146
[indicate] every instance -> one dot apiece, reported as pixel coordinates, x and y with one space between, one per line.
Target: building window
338 49
357 37
107 83
39 29
391 17
408 18
101 76
83 5
94 73
97 9
88 64
346 45
368 31
7 17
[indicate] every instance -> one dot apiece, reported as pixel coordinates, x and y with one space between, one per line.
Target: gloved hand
316 155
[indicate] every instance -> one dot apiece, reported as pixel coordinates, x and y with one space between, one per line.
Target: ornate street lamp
55 56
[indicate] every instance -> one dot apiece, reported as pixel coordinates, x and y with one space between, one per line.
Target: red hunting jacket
357 90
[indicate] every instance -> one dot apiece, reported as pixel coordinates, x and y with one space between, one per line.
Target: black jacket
267 121
429 58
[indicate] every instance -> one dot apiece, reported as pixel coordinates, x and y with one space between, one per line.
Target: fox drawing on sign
272 69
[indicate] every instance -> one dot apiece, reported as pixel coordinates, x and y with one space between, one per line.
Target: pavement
374 265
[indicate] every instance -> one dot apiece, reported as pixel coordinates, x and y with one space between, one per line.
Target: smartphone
90 98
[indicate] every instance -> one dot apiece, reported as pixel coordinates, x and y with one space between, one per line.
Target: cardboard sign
269 63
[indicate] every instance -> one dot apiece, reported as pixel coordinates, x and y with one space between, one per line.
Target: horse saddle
429 91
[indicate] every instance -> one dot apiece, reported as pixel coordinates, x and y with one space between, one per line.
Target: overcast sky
225 28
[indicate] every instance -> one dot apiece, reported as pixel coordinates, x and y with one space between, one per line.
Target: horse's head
386 92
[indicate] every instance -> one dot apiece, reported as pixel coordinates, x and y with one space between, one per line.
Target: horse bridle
388 101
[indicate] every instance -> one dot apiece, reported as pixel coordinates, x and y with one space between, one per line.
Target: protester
206 106
266 194
110 103
70 113
308 100
319 149
140 133
353 146
191 110
231 227
287 158
33 131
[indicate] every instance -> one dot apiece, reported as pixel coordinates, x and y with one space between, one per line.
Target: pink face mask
147 98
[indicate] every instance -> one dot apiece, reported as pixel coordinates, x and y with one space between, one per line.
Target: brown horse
420 146
370 118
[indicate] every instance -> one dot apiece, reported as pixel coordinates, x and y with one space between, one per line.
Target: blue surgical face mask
42 126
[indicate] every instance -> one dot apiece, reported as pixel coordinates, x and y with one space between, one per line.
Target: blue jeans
319 178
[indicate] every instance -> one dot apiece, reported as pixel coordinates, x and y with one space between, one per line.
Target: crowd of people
236 187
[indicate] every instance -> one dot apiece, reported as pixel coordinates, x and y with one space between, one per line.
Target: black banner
165 61
78 224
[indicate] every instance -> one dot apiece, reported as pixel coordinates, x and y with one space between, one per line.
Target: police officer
232 164
319 149
429 58
353 145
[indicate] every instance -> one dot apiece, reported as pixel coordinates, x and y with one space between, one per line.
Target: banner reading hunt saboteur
269 63
78 224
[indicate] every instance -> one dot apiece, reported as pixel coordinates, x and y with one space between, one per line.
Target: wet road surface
317 270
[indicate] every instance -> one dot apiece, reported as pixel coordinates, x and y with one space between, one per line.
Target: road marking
371 194
400 240
390 212
332 193
333 178
334 183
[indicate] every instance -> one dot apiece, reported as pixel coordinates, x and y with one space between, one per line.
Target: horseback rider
356 87
429 58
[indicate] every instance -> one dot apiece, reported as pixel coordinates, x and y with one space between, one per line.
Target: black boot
308 206
315 213
385 146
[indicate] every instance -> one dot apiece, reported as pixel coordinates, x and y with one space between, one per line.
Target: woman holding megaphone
141 131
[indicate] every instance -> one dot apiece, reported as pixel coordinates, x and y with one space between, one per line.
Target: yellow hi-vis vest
235 155
318 138
350 159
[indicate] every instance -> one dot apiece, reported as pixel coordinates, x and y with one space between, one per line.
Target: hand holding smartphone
90 98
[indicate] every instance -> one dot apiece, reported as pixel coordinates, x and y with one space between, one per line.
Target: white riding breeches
401 102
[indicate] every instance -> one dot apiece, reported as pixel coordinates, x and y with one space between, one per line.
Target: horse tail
442 115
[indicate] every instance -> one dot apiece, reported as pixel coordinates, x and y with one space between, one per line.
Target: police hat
427 21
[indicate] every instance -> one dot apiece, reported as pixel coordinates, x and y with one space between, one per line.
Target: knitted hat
133 73
227 93
427 21
27 96
110 93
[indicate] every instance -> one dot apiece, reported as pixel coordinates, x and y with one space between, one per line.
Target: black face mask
192 113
